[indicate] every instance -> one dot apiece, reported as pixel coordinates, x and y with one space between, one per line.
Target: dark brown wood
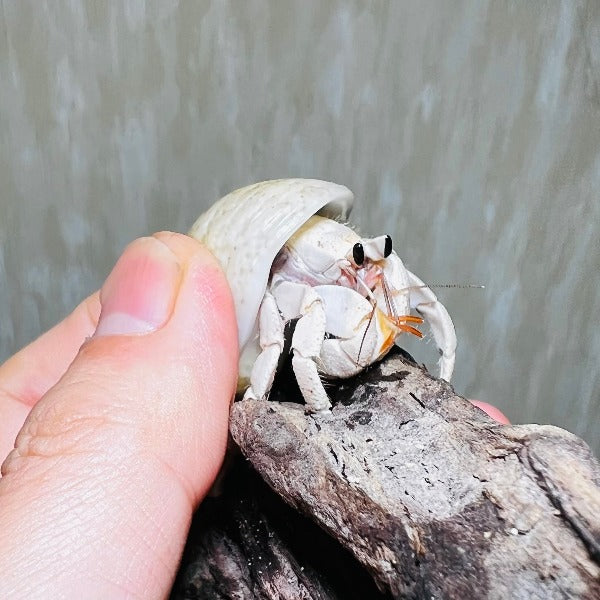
248 543
429 495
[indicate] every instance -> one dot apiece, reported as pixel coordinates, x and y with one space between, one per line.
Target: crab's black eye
387 250
358 254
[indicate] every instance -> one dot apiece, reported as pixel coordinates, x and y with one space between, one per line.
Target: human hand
118 439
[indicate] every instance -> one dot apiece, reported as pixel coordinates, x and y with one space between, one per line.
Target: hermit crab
288 257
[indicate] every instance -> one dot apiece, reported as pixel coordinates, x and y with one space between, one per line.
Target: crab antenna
448 285
365 334
335 263
389 299
366 288
373 302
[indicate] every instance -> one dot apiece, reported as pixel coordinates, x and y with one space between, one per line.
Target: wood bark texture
407 482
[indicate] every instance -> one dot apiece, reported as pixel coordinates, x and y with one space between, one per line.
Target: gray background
470 131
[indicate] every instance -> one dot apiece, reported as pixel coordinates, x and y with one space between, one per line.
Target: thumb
110 463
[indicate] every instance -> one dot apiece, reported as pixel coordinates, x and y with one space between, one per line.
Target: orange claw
412 330
410 319
398 323
401 323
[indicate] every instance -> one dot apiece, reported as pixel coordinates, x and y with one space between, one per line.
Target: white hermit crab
286 258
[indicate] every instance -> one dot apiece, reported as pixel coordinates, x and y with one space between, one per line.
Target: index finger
31 372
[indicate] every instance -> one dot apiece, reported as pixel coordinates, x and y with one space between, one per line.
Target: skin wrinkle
118 590
161 548
127 530
45 477
126 577
39 438
15 411
160 544
160 563
98 574
33 586
6 393
57 543
69 427
203 442
20 389
187 487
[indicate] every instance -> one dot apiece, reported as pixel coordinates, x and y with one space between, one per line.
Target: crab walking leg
295 299
425 302
270 326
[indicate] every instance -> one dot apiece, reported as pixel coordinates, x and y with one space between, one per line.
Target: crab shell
246 229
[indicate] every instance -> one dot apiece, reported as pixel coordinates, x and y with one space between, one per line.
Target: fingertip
184 247
491 411
208 286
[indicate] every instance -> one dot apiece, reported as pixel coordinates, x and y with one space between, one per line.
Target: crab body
350 297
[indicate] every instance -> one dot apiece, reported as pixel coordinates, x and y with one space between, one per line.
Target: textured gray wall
470 131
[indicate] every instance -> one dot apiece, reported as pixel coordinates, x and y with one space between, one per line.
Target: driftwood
416 494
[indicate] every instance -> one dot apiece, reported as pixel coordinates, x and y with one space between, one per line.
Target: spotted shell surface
246 229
